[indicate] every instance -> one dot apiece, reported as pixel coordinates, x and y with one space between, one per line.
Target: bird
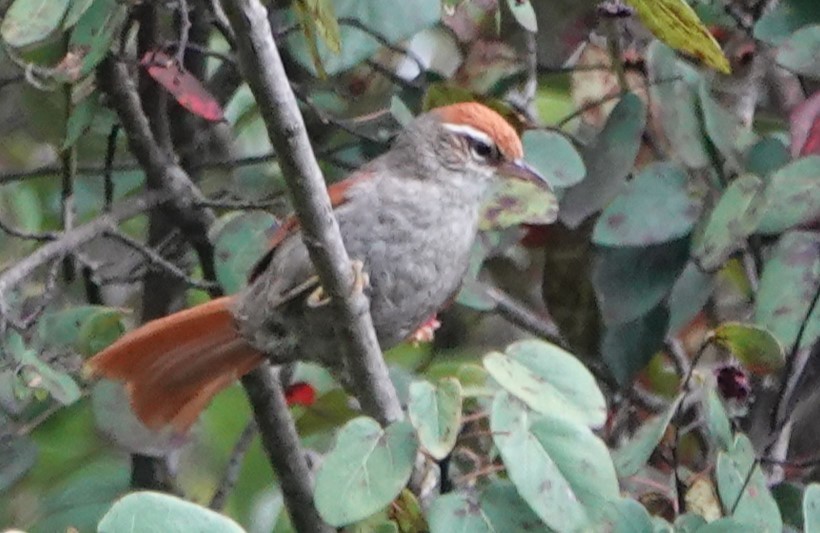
408 219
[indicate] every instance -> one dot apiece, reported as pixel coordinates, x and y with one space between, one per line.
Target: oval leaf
366 469
524 13
755 347
93 34
560 468
634 454
734 218
792 196
801 52
789 281
239 241
608 161
660 192
435 412
31 21
148 511
756 507
549 380
518 202
552 155
183 86
497 508
811 509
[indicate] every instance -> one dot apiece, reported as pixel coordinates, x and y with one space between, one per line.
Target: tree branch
262 68
281 443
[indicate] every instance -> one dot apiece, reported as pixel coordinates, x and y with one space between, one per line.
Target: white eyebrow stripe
470 131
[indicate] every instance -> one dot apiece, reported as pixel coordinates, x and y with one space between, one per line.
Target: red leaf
186 89
300 393
805 127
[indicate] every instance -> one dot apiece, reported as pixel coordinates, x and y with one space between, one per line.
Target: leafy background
678 287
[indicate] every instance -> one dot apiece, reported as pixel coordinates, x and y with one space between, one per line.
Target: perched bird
409 218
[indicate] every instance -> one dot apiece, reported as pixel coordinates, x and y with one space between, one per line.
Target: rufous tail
173 366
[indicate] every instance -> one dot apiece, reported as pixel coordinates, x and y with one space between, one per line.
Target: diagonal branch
262 67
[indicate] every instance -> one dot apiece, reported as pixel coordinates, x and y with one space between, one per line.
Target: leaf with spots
676 23
756 507
518 202
435 412
788 287
365 471
92 36
498 507
560 467
183 86
549 380
631 456
792 196
657 206
608 159
735 217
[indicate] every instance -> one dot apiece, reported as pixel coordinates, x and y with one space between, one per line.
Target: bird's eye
482 150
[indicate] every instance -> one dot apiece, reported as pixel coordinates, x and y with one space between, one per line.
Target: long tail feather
173 366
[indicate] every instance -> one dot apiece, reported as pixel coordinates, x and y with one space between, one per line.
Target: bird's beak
518 169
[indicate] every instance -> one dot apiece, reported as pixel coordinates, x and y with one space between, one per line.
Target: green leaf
792 196
435 412
717 421
497 508
517 202
789 498
627 348
553 156
608 161
778 24
755 347
756 508
689 523
660 192
62 329
100 331
94 32
800 53
240 239
677 107
524 13
676 23
75 11
80 120
17 456
723 128
147 511
630 282
789 281
366 469
688 296
724 525
394 22
633 455
765 157
30 21
627 516
560 468
735 217
811 509
549 380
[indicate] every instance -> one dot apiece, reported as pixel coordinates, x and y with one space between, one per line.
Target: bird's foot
361 280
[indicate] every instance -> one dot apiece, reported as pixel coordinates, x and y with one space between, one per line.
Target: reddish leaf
186 89
300 393
805 127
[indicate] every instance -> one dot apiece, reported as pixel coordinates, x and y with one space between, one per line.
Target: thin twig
27 235
184 29
745 484
281 443
262 67
231 474
108 165
156 259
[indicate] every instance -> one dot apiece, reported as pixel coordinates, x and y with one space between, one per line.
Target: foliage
678 258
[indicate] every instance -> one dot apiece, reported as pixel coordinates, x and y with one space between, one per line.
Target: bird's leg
361 280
